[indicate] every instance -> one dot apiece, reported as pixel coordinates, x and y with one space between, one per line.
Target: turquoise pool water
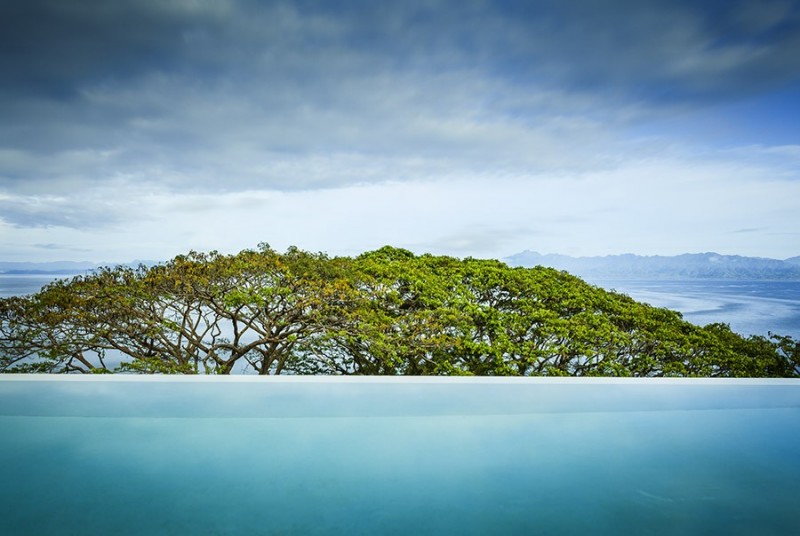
166 455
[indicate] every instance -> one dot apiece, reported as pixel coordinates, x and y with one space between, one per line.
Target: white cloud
655 206
205 125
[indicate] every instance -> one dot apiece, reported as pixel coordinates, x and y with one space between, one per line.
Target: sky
143 129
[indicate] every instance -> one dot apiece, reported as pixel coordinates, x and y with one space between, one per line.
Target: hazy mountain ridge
60 267
686 266
626 266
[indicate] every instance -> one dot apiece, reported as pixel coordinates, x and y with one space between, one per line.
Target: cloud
624 43
61 247
477 238
458 126
61 46
104 206
248 94
50 211
663 52
651 206
221 141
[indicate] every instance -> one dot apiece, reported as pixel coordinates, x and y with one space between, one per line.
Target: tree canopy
386 312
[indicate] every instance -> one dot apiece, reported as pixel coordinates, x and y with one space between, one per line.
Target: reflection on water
20 285
750 307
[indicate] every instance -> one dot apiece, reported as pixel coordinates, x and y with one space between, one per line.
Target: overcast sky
141 129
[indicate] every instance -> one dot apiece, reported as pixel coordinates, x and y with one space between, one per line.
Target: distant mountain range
686 266
57 267
44 268
628 266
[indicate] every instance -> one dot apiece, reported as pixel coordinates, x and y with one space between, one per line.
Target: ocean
20 285
750 307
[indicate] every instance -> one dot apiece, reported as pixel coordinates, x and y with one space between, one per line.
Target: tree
383 312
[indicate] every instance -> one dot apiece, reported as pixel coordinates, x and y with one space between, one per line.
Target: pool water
166 455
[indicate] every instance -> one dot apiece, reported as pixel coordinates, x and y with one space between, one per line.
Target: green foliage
384 312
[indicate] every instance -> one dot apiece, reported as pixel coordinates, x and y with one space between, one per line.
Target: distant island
58 267
686 266
45 268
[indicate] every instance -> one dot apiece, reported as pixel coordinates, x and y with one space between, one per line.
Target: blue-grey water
403 457
750 307
22 284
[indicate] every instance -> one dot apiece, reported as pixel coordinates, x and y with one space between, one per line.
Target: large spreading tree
385 312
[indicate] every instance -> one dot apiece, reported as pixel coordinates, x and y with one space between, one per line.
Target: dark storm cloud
656 50
54 49
214 95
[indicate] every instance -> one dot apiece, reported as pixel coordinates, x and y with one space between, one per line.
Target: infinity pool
309 455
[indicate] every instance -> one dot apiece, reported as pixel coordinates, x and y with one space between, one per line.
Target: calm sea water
404 457
20 285
750 307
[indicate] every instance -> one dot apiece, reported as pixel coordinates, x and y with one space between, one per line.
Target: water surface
750 307
23 284
412 456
